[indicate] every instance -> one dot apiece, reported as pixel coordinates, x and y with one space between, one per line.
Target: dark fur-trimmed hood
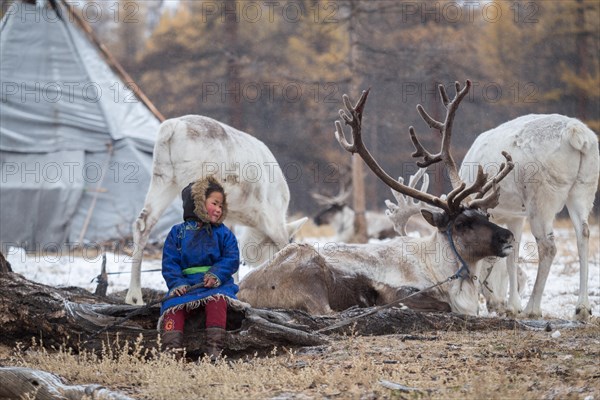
194 197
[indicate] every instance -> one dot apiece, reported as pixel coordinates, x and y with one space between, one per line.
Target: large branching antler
445 129
353 117
340 198
485 200
452 204
481 185
344 191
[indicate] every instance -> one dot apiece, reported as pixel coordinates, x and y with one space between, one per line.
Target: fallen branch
399 387
73 317
26 383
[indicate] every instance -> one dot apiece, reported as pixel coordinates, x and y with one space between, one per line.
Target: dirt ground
563 364
492 365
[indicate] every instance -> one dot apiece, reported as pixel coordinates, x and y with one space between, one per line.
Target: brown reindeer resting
338 213
321 281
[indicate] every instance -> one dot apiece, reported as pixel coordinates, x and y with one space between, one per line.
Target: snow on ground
562 286
560 295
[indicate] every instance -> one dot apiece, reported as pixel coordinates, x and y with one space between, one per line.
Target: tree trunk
73 316
233 83
359 203
358 176
582 58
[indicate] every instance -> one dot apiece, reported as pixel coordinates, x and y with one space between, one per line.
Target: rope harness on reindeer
463 272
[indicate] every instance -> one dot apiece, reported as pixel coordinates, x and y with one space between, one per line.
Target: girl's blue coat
192 244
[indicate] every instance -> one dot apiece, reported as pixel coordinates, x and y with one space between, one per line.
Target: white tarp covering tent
75 143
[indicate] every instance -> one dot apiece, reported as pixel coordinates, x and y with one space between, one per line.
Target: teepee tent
75 141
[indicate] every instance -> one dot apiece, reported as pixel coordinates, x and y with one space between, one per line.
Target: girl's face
214 206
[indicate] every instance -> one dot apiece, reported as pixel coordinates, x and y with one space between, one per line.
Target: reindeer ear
294 226
437 219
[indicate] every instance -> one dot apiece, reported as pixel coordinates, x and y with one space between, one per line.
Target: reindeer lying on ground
494 276
193 146
349 275
340 216
396 220
556 164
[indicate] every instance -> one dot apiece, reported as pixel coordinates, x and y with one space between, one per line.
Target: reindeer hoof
134 300
138 301
513 312
497 307
528 313
534 316
583 313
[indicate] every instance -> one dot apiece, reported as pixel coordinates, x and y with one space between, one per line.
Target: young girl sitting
199 250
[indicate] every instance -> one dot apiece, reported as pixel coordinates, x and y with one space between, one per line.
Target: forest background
278 69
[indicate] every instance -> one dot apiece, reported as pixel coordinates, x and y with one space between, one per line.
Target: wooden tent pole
114 64
90 211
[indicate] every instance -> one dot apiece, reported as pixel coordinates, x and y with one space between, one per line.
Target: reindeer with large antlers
445 263
494 283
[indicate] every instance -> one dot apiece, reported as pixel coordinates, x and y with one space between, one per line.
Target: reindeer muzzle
505 242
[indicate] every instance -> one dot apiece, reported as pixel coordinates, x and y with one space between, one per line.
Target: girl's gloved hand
181 290
210 280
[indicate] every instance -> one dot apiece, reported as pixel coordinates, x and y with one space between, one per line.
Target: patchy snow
82 269
560 295
562 286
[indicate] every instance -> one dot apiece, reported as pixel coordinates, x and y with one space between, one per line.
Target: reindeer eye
463 225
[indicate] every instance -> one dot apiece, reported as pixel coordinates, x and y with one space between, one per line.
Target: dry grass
310 230
439 365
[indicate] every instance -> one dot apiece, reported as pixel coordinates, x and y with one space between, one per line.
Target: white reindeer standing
193 146
556 164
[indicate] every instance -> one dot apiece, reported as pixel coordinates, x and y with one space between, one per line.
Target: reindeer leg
579 209
157 200
542 231
494 284
583 310
513 307
496 275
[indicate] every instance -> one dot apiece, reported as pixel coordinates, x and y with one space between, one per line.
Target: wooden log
4 264
72 316
26 383
396 320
